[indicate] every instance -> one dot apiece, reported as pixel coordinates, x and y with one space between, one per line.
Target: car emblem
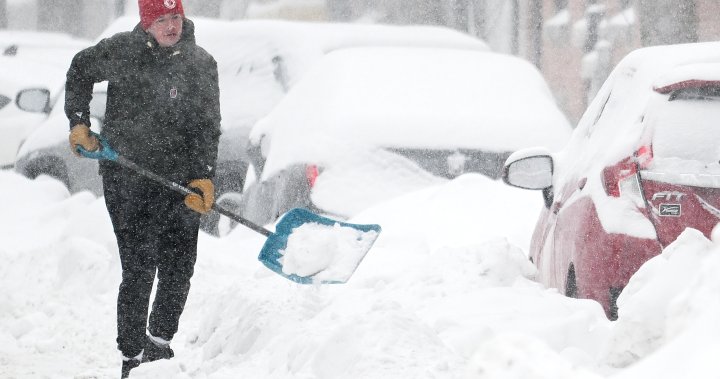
456 163
670 210
668 195
170 4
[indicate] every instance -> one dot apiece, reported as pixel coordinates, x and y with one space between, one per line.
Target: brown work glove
201 204
80 136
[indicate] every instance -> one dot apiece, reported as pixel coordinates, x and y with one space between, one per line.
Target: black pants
155 231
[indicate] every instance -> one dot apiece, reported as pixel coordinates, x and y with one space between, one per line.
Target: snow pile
669 312
59 274
446 293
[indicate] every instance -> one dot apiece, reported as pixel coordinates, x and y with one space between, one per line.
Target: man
163 113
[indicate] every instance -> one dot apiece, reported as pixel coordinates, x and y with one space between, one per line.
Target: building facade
576 43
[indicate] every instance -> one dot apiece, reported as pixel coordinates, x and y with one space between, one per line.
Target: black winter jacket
163 107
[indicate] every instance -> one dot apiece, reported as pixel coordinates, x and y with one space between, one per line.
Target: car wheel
571 289
614 294
50 167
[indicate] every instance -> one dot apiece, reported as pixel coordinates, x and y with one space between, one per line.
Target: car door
576 224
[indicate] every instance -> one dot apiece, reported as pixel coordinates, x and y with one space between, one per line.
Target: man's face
167 29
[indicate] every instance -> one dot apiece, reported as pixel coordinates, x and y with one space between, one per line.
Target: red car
641 166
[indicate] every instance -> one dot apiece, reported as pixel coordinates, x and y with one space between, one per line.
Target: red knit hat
150 10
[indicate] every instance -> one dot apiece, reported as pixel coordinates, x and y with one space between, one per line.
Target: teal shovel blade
276 246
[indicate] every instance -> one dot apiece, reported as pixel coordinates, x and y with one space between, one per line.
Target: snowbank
445 293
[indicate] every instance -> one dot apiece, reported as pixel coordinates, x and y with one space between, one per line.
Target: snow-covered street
446 292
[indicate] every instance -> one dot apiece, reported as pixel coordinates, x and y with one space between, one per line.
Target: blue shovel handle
104 152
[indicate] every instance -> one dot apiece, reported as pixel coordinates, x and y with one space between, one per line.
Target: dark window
696 93
11 51
4 100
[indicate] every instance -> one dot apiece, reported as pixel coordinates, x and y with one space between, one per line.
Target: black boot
154 351
128 365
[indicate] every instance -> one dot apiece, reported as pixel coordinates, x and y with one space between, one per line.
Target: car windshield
685 134
4 100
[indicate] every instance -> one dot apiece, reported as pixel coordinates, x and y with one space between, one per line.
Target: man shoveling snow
163 110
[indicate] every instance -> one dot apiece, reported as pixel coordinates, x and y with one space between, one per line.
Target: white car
27 90
370 123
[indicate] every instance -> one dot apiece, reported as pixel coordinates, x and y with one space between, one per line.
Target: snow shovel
305 248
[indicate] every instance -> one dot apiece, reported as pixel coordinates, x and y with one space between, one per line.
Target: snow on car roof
44 47
416 98
689 75
259 59
18 74
326 36
40 39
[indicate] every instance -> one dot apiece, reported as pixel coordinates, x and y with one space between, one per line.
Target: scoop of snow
325 252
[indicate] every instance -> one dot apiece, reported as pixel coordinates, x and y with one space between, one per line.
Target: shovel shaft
240 220
186 191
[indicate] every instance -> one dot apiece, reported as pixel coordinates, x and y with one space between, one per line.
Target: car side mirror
532 172
35 100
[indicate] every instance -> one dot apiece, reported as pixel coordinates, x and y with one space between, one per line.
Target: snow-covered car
641 167
46 151
258 61
371 123
51 48
27 90
32 72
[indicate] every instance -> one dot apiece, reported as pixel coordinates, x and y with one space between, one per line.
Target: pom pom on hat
150 10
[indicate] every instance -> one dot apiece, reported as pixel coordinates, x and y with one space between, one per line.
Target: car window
686 128
4 100
280 72
596 117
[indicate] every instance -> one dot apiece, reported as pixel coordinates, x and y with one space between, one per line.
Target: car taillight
311 173
615 176
644 156
622 178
